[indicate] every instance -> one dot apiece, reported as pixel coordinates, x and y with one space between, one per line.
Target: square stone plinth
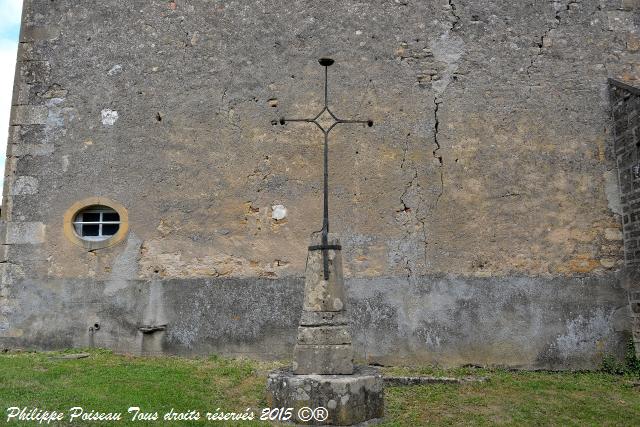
323 359
345 399
323 335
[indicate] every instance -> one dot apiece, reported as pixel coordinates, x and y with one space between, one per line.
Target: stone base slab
348 399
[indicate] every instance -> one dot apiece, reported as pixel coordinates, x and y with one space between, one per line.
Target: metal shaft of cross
324 247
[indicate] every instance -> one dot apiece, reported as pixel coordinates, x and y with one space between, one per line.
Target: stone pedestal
348 399
324 342
323 374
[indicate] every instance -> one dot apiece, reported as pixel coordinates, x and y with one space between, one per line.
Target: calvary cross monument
323 374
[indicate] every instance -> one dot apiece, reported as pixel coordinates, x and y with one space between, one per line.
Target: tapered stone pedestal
324 342
323 374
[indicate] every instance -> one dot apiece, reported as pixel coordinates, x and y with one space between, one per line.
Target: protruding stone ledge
150 329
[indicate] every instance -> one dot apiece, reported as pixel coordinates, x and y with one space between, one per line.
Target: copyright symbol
321 414
305 414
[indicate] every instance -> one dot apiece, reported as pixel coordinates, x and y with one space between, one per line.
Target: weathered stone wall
625 108
490 158
520 321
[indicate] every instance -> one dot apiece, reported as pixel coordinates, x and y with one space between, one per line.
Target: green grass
516 398
111 383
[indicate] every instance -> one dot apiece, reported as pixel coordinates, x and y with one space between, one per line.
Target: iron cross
328 127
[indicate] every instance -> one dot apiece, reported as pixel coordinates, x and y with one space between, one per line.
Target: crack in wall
404 152
448 49
541 44
186 42
406 209
456 18
436 125
410 213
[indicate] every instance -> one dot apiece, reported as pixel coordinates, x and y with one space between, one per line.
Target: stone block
32 150
320 318
4 249
34 93
14 135
619 20
347 399
34 71
24 185
29 115
10 273
33 33
27 52
20 233
323 359
612 234
323 335
32 134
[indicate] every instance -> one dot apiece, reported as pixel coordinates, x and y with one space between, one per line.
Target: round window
96 223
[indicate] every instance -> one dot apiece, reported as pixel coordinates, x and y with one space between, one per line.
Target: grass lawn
106 382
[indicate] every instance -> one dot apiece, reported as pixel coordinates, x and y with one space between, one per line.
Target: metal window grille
97 223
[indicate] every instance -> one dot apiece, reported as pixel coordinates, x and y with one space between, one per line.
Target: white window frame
79 223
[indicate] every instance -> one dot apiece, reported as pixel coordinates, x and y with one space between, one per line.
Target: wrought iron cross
330 120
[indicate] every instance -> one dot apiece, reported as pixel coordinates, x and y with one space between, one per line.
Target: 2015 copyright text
136 413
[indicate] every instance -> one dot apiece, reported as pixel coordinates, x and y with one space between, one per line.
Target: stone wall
490 162
625 108
520 322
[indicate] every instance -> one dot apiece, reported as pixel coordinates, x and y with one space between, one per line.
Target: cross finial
326 120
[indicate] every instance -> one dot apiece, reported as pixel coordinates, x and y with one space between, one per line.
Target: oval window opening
96 223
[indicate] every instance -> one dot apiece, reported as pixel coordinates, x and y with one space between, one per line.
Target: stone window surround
72 212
